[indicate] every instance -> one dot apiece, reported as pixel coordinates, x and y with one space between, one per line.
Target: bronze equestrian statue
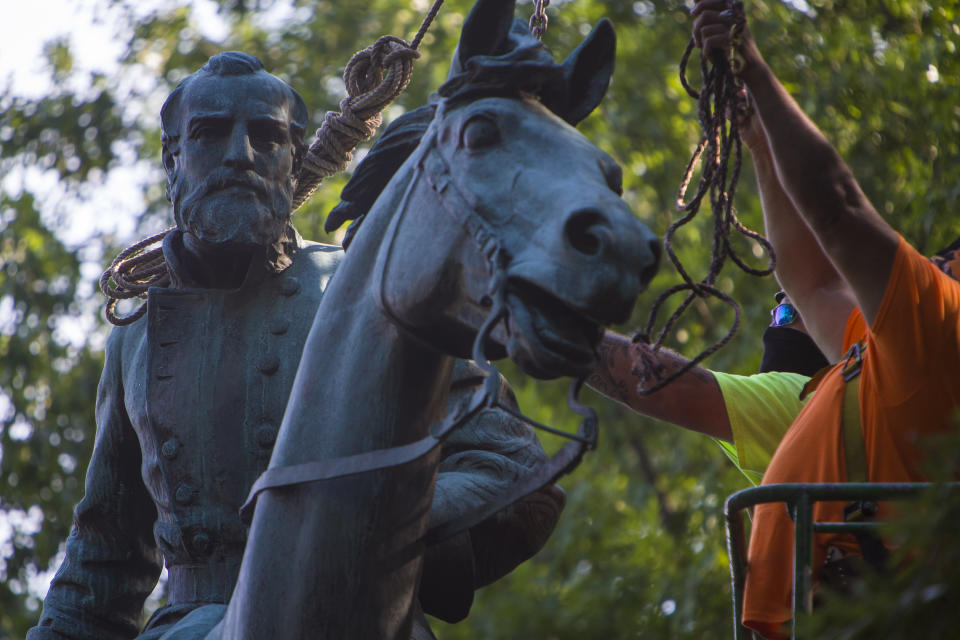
266 348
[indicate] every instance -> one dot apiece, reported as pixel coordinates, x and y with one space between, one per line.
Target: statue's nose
615 236
239 153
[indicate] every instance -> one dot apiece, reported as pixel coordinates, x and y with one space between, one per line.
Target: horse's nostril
647 273
587 231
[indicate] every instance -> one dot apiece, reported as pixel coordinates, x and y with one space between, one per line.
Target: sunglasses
783 314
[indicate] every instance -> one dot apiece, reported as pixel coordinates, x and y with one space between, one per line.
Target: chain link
735 15
538 21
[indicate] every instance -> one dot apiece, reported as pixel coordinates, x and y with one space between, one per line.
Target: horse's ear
587 71
485 31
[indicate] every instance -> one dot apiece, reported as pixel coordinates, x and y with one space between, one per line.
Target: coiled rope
368 93
720 104
374 78
131 273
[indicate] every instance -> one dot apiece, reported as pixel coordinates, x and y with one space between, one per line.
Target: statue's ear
587 71
486 30
169 158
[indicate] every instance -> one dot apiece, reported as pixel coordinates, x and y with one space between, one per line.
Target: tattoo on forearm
623 366
617 374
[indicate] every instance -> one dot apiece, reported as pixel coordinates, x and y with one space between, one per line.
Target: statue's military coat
188 408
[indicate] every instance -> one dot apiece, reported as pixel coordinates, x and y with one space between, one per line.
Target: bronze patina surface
270 351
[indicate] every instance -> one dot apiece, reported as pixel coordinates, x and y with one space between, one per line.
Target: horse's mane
522 65
377 168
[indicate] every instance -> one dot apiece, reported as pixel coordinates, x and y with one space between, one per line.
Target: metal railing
799 500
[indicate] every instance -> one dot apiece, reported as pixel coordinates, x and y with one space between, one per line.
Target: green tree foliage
640 549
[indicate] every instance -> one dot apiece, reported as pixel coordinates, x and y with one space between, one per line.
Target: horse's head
513 207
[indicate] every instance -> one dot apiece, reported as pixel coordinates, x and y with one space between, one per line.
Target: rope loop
738 21
720 108
374 77
131 274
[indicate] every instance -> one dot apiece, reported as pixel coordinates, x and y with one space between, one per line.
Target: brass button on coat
200 543
170 448
279 326
266 435
268 365
289 286
184 494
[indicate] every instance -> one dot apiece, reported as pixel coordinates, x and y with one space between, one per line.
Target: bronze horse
500 212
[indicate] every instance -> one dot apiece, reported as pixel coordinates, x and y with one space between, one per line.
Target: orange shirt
908 389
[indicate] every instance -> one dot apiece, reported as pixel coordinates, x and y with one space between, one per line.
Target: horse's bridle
434 169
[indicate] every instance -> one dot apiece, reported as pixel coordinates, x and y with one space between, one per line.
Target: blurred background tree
640 549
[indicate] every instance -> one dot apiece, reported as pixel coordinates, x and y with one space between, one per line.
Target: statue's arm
481 460
111 563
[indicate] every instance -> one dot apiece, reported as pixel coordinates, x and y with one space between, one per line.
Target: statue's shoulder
124 341
317 258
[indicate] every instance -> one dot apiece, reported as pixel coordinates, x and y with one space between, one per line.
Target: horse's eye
478 132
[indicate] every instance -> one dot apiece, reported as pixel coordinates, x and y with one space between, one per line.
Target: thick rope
368 94
131 274
374 77
427 21
369 91
719 102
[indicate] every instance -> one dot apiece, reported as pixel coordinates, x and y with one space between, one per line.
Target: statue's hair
232 63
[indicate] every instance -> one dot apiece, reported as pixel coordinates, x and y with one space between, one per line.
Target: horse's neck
362 380
354 541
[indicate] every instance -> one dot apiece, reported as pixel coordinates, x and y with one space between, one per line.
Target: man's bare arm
803 269
692 401
858 242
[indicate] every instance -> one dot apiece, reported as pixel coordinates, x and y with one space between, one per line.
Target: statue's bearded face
232 181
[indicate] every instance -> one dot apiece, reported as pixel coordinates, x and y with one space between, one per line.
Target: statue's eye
479 131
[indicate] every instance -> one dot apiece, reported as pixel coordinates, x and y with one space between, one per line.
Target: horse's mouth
549 338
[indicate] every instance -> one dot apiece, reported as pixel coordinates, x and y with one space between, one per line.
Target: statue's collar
277 258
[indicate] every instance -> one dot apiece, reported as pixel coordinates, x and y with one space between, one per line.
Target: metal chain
538 21
738 20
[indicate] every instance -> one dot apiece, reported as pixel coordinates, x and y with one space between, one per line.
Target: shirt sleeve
112 562
481 460
760 409
918 321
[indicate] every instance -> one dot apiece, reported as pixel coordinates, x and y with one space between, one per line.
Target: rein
435 171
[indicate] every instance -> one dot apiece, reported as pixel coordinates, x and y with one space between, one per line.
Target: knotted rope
374 77
368 93
720 106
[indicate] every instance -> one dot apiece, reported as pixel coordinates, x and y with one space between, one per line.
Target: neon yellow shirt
760 408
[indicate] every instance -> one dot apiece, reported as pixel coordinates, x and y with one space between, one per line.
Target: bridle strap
289 476
437 174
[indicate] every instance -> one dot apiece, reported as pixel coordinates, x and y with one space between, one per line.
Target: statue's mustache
221 179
